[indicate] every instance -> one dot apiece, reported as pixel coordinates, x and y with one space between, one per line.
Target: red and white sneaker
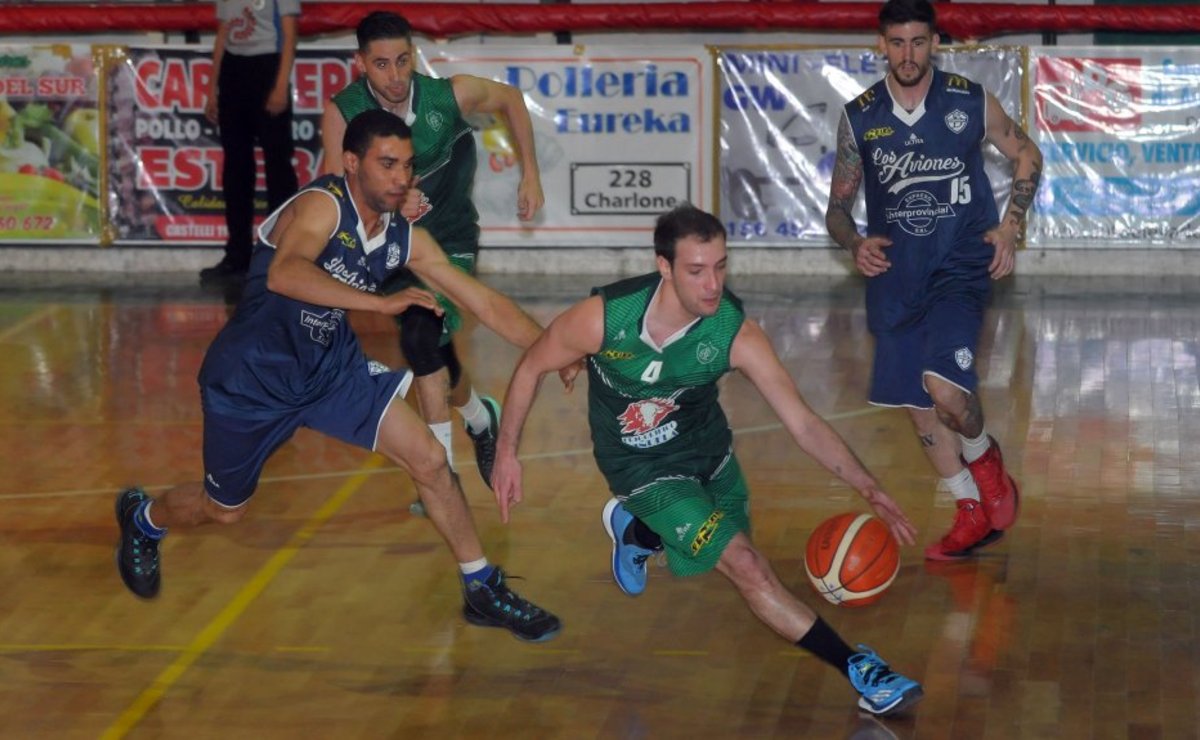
997 490
970 531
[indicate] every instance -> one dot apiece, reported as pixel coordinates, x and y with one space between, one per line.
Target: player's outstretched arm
478 95
576 333
300 235
754 356
1010 138
497 311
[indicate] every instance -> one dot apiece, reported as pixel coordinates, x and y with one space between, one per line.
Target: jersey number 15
960 190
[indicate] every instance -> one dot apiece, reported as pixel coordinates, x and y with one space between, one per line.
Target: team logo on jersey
918 213
705 534
393 256
706 352
616 354
435 119
642 420
964 358
348 241
423 207
321 325
879 132
956 121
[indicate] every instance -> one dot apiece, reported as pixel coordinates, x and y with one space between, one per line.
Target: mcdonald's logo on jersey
958 85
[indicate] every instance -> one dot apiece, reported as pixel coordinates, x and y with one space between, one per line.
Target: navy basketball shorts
942 344
236 449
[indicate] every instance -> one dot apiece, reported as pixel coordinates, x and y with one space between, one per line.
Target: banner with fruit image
49 144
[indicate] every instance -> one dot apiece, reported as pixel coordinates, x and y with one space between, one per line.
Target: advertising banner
779 113
165 157
1120 133
49 144
622 134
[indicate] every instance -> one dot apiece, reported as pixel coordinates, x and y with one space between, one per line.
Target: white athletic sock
473 567
475 414
445 433
973 449
962 486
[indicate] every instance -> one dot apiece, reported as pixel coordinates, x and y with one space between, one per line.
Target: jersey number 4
652 371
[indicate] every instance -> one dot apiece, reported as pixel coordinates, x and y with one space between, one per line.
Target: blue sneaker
883 690
628 560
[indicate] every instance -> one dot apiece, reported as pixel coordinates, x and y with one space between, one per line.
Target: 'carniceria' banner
622 134
165 158
778 126
1120 133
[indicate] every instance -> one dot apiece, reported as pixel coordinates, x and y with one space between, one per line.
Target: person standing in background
250 101
933 243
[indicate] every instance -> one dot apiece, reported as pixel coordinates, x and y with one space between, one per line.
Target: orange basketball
851 559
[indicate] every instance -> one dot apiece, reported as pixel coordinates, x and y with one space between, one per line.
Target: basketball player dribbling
655 346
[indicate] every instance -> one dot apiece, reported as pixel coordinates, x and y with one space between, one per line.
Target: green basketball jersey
444 158
654 411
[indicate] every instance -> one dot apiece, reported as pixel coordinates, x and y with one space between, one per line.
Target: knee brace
421 344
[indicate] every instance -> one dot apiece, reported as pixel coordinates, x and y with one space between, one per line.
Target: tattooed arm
839 215
1007 135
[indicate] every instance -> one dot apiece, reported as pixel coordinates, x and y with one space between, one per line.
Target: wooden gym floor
331 612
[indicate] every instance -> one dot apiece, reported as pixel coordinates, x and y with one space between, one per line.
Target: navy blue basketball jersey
926 190
279 354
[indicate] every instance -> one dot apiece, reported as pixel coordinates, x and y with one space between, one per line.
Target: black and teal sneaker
137 554
491 603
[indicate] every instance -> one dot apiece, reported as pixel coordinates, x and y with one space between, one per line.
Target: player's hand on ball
890 512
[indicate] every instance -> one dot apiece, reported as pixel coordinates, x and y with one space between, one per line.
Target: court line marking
388 469
208 636
10 647
28 321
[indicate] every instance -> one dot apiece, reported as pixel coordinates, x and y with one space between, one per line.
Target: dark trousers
242 90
